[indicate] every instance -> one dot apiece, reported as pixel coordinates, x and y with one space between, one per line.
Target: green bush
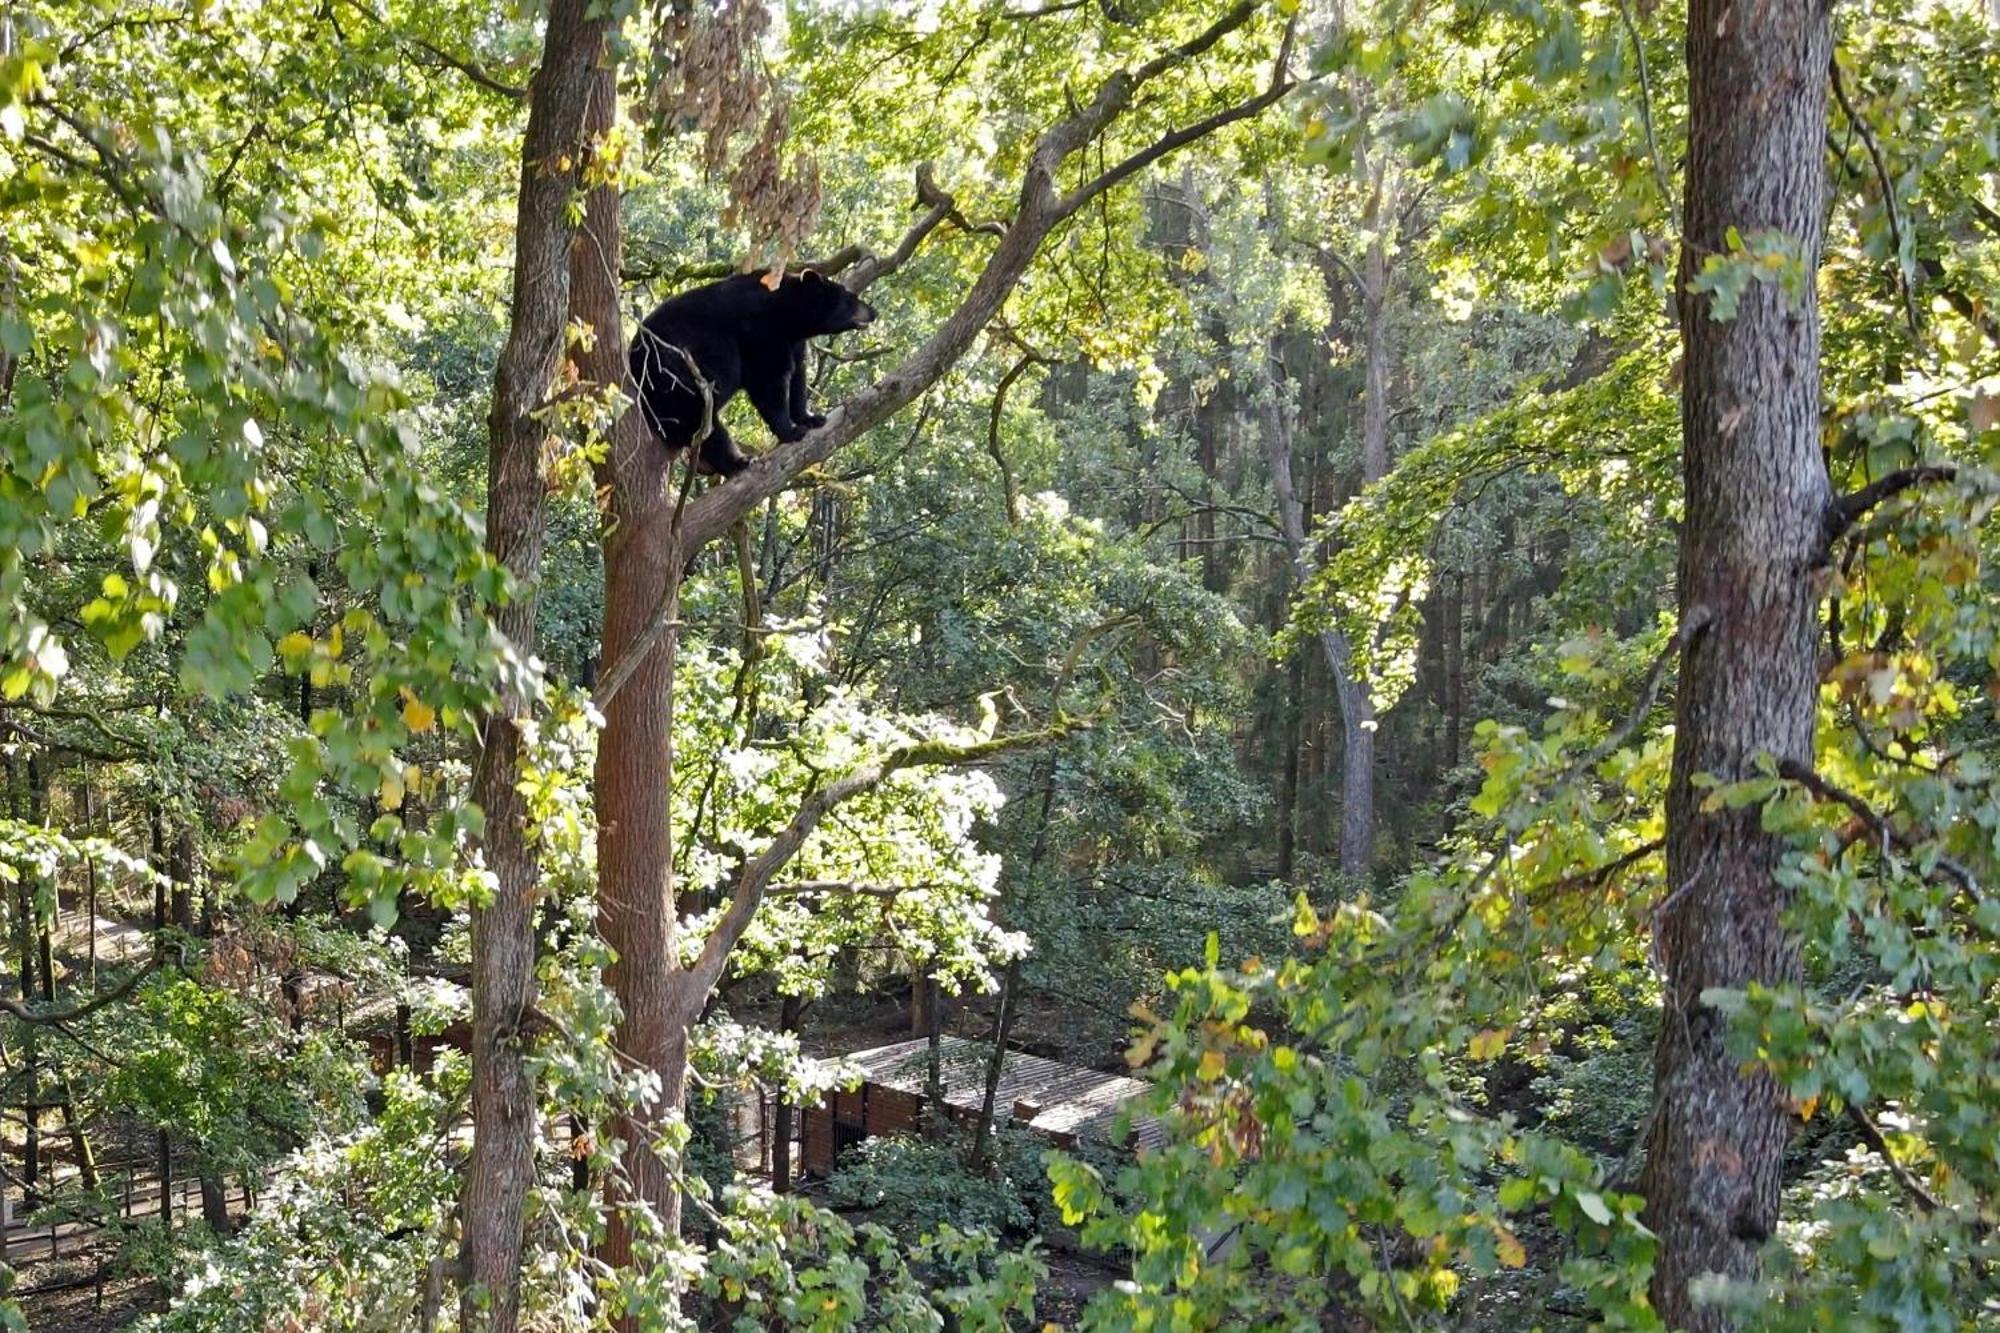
915 1185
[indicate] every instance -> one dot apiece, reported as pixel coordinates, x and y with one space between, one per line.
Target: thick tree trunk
1757 492
156 859
87 798
79 1137
1357 775
501 1168
643 567
215 1204
183 892
1288 782
789 1015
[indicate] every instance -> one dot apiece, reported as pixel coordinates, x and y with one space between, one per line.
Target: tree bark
183 891
501 1168
648 542
1757 494
781 1139
87 798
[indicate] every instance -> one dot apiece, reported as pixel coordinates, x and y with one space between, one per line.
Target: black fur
740 334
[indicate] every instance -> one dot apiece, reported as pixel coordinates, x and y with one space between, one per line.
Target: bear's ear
812 275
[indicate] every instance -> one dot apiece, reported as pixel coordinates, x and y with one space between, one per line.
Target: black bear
740 333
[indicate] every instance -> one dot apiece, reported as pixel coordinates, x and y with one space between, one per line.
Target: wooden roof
1062 1101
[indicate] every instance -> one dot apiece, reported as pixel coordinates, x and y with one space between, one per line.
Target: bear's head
816 304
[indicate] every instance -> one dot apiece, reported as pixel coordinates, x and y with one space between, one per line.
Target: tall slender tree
501 1168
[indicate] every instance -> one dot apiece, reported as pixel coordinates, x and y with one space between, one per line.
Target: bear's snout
864 315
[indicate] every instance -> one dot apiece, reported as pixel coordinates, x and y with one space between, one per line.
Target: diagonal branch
861 265
29 1013
1039 209
1871 1134
1280 84
1867 133
756 878
1793 771
1849 509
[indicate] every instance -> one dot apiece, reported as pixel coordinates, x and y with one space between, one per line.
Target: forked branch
756 876
1039 209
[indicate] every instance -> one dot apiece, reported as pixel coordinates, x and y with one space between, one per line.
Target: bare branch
1849 509
815 888
756 877
867 266
1281 84
1007 491
1598 876
471 70
1872 1136
1693 625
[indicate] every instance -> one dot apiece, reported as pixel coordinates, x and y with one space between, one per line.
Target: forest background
1414 574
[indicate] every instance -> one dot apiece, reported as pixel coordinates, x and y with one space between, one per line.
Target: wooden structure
1063 1103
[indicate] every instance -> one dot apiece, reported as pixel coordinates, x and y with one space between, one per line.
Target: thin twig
1646 108
1867 134
1871 1135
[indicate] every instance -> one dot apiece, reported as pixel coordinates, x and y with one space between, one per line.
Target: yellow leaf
1212 1065
418 716
1488 1044
1508 1246
391 790
295 646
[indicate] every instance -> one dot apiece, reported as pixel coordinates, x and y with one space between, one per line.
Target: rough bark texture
503 937
643 564
1757 493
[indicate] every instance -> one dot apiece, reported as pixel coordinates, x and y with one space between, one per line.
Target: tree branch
1793 771
1598 876
471 71
1039 209
1867 133
1849 509
867 266
756 877
1008 494
1872 1136
1280 84
28 1013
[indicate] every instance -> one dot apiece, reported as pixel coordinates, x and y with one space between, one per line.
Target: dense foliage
1248 660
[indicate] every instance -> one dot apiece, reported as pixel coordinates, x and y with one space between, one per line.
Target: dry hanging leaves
709 78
